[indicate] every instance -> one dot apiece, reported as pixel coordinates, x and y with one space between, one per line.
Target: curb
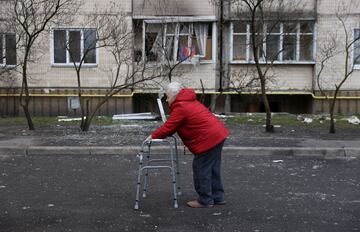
317 152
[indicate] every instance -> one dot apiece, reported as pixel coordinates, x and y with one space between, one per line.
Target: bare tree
9 41
112 33
262 20
30 19
343 45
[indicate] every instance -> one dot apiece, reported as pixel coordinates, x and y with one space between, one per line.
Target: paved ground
127 137
96 193
58 178
133 132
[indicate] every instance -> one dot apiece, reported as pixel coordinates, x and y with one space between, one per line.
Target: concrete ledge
318 152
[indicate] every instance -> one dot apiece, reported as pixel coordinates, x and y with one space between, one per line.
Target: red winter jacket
198 128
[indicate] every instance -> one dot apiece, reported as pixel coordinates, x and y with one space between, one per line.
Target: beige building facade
211 53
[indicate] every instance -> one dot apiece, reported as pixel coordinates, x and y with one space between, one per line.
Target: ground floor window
180 41
356 51
276 41
7 49
74 45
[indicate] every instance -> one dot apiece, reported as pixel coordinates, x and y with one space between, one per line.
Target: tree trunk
85 125
25 103
332 124
332 121
268 126
27 115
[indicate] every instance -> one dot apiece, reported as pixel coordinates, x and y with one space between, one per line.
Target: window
178 41
73 45
280 42
356 53
7 49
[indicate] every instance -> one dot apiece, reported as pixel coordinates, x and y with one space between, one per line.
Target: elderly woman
204 135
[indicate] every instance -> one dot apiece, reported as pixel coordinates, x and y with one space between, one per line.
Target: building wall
280 78
45 75
329 27
173 8
287 78
306 8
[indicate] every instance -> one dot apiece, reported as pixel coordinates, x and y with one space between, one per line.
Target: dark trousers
207 175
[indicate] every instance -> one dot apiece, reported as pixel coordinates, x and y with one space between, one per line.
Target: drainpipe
315 45
221 23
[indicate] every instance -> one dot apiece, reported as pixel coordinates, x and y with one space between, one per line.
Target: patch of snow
135 116
353 120
69 119
145 215
223 116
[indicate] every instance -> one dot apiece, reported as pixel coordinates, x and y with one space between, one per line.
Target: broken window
154 42
7 49
180 41
73 45
279 41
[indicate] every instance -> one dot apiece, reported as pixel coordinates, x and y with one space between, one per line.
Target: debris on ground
136 116
353 120
223 116
308 120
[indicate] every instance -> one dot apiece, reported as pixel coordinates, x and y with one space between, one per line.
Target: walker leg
177 169
174 181
147 172
136 206
146 176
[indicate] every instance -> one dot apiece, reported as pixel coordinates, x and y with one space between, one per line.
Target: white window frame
3 48
68 62
355 66
176 40
280 60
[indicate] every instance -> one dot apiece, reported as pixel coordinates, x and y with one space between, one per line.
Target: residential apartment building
209 45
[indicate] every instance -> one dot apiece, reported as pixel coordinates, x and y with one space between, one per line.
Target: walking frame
150 163
147 163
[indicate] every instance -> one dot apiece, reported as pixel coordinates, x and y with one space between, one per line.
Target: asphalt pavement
126 139
97 193
61 179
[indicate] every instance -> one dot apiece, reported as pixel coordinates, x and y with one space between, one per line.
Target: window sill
72 65
207 62
154 63
7 66
276 62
